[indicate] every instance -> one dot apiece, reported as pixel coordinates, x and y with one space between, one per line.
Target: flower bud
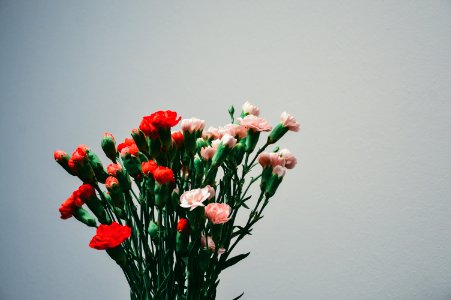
227 143
252 140
250 109
201 143
153 229
97 166
276 178
287 122
85 217
140 140
177 137
62 158
109 146
80 162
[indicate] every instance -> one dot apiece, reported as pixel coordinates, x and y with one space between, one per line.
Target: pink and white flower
279 171
289 121
218 213
194 198
228 140
192 125
211 133
290 160
272 160
251 109
255 123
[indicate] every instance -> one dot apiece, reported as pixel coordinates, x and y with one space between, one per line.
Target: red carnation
163 175
178 138
85 192
111 182
127 143
68 207
162 119
148 167
112 169
80 154
147 128
183 226
110 236
59 155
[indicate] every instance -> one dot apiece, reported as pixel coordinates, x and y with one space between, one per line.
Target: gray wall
365 215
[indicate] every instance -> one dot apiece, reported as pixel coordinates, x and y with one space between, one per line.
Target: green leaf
231 261
236 298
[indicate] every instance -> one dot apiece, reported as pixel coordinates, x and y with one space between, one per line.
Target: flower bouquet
168 216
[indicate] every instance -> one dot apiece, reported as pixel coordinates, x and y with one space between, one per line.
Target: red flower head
164 119
59 155
147 128
148 167
80 154
178 138
113 169
183 226
111 183
108 135
85 192
127 143
68 207
110 236
163 175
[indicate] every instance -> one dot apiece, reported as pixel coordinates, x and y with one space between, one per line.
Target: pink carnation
194 198
255 123
207 152
290 160
192 125
251 109
228 141
234 130
272 160
289 121
279 171
211 133
218 213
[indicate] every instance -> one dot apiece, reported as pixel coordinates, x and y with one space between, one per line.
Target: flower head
218 213
183 226
113 169
164 119
192 125
250 109
163 175
290 160
255 123
68 207
110 236
85 192
272 160
194 198
148 167
289 121
60 155
111 183
177 137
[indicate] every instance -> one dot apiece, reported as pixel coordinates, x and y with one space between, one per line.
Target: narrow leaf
236 298
231 261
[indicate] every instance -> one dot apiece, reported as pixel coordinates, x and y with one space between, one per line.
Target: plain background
365 215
